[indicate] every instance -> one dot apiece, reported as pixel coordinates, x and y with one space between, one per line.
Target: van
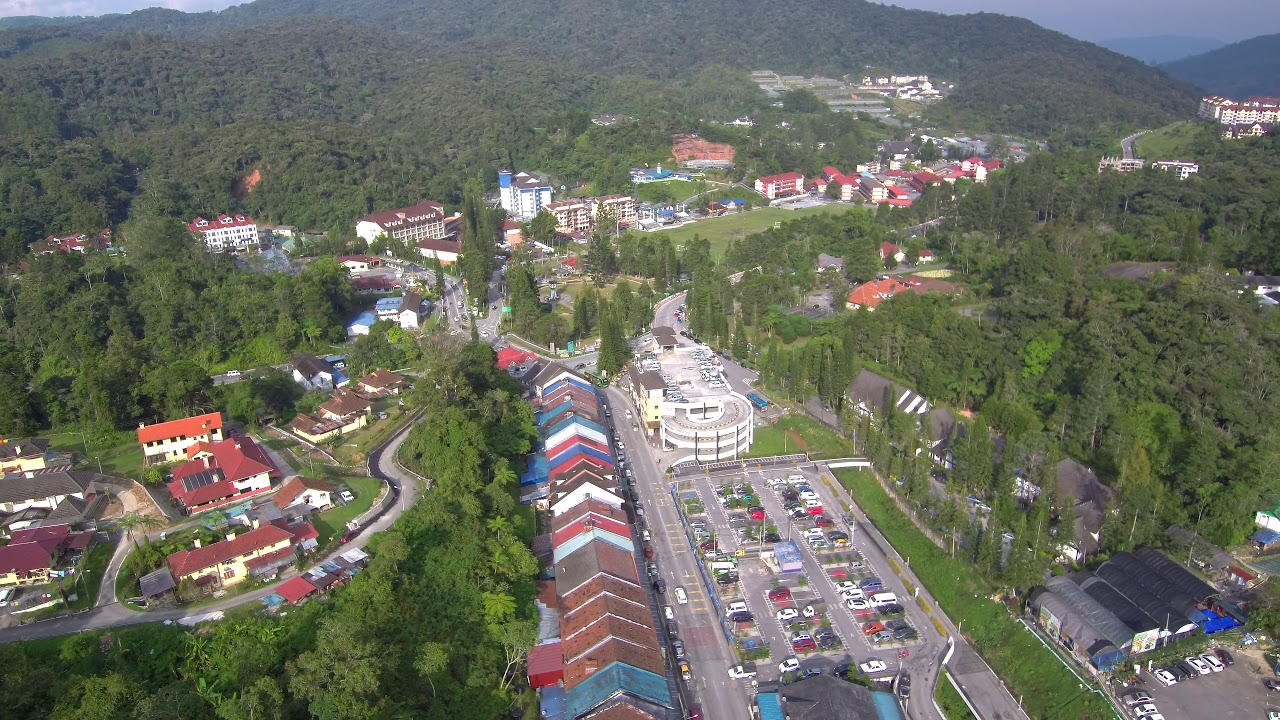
719 567
884 598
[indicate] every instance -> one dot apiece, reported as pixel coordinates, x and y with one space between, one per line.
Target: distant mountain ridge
1011 74
1249 67
19 21
1160 49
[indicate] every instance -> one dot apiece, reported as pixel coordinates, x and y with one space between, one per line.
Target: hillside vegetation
1249 67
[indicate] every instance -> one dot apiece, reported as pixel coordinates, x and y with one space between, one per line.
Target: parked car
1201 667
1144 710
786 615
872 628
677 647
1215 665
903 686
742 617
873 666
1224 656
790 665
780 594
802 643
660 585
891 609
742 672
822 521
1136 698
883 636
1165 677
905 633
1189 670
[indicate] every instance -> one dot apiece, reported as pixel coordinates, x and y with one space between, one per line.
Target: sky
1086 19
1096 20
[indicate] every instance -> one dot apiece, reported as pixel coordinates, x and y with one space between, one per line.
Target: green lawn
1049 690
797 433
678 189
332 523
1171 142
719 231
119 452
949 699
93 568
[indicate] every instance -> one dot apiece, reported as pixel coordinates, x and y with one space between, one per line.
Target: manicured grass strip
1047 688
950 701
719 231
332 523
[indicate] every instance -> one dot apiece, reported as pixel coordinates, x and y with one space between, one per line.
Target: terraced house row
600 655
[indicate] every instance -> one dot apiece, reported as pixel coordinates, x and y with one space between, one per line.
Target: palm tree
131 521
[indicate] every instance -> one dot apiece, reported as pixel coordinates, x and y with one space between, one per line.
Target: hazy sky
1105 19
1087 19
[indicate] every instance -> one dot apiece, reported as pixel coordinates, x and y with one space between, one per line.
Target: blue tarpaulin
537 472
1212 623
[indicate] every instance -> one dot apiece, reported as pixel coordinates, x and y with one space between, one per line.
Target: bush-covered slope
1249 67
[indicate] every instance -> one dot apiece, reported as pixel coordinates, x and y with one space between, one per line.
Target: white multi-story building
424 221
231 234
710 428
523 195
1184 170
1245 112
572 216
623 208
776 186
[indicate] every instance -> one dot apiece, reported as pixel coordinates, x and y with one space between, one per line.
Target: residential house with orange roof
235 559
220 472
347 407
168 441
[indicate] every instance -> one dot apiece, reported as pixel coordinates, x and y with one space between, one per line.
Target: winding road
404 492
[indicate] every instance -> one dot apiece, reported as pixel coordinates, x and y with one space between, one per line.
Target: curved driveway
403 492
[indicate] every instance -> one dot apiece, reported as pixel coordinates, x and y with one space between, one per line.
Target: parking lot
814 606
688 372
1236 693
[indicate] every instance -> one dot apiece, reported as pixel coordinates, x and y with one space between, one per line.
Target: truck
758 401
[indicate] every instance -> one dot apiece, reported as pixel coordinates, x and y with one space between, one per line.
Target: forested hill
1249 67
1012 74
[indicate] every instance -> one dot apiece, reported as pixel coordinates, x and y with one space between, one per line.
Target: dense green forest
435 627
103 341
1163 385
1248 67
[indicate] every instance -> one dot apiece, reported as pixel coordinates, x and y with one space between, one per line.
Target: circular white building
718 427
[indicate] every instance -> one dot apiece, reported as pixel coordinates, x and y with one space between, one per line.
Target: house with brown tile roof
587 508
602 607
344 406
611 650
227 563
380 383
603 585
579 470
593 560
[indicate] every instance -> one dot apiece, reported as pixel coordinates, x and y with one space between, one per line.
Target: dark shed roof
1151 580
1149 602
1110 598
1179 576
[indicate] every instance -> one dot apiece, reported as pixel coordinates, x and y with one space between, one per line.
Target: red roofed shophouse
546 665
222 472
776 186
227 233
168 441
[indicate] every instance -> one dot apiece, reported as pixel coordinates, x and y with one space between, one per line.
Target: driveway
404 491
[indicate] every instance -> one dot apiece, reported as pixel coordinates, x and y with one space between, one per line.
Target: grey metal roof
1073 625
1159 610
309 365
1179 576
1110 598
1153 581
157 582
826 697
37 486
1098 616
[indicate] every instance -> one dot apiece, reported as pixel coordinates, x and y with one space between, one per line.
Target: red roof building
509 356
227 233
168 441
219 472
870 294
545 665
293 591
235 550
776 186
889 250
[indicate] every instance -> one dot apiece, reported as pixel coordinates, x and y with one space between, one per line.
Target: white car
790 665
1201 666
853 594
846 585
857 604
1144 710
740 672
808 495
1214 663
668 612
736 607
873 666
681 596
809 611
1165 677
787 614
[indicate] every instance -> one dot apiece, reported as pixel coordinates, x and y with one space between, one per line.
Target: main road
403 492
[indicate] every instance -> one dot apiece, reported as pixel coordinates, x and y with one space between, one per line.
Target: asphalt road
404 491
708 652
1126 144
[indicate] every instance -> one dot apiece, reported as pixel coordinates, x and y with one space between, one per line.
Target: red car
757 513
695 712
872 628
708 546
648 551
815 510
821 521
805 643
780 594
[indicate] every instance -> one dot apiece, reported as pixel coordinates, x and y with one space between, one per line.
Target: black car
579 366
891 609
742 617
799 514
905 633
895 624
904 686
790 495
772 537
1224 656
1177 671
660 585
728 578
1186 668
842 670
827 642
635 496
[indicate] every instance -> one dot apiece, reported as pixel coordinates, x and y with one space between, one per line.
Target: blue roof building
620 681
